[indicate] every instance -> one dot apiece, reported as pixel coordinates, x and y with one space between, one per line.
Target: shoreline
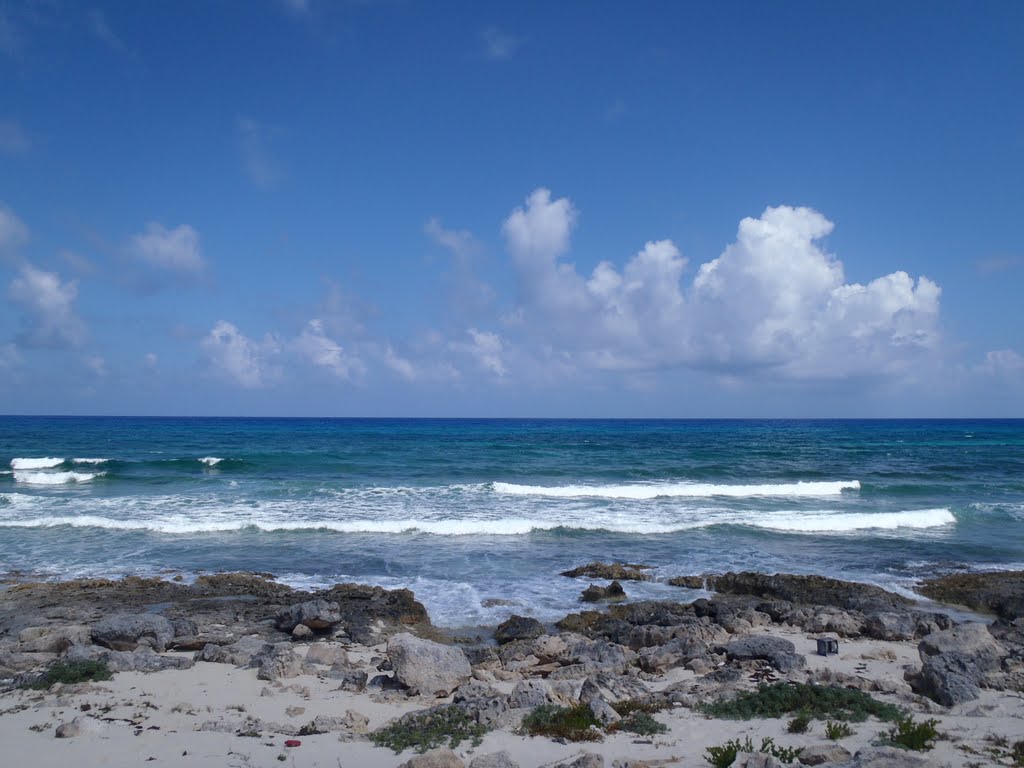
205 667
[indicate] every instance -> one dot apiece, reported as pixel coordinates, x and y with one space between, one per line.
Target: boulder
886 757
240 653
274 662
809 590
326 654
317 615
371 613
143 660
817 754
586 760
494 760
675 653
530 694
890 625
755 760
435 758
426 667
80 726
594 656
998 592
603 711
594 593
52 639
612 688
955 663
518 628
778 652
127 631
611 571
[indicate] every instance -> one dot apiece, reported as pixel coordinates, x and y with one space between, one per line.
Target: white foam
691 490
211 461
90 461
54 478
830 522
40 463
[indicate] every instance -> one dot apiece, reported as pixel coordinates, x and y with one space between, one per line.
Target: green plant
626 707
1017 753
800 723
814 701
639 722
71 672
570 723
724 755
906 734
837 730
427 729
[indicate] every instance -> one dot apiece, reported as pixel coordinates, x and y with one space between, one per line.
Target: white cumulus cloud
234 356
486 348
172 250
774 300
49 319
13 232
314 345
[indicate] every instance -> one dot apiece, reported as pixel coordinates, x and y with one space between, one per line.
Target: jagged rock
143 660
956 662
350 721
351 679
998 592
240 653
326 654
778 652
675 653
184 627
816 754
301 632
888 625
127 631
530 694
612 688
494 760
276 661
485 704
845 623
518 628
370 612
886 757
427 667
586 760
80 726
593 656
435 758
314 614
811 590
611 571
594 593
755 760
52 639
603 711
12 662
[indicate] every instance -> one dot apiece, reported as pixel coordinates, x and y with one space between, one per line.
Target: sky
530 209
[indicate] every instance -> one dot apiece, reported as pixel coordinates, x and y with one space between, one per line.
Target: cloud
470 294
13 138
256 159
13 232
101 29
499 45
49 319
175 251
486 348
97 364
317 347
236 358
1002 362
400 365
773 301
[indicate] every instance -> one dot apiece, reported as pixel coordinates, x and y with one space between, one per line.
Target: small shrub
71 672
641 723
800 723
723 756
309 729
837 730
627 707
1017 753
816 701
428 729
570 723
907 734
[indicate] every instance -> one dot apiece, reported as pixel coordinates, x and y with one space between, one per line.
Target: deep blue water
465 510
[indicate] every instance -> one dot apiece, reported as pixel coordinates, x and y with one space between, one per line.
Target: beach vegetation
639 722
837 729
69 673
444 726
576 723
627 707
724 755
908 734
818 702
800 723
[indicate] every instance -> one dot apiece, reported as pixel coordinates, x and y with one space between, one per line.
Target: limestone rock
756 760
886 757
143 660
494 760
594 593
127 631
274 662
778 652
326 654
518 628
240 653
80 726
314 614
603 711
427 667
52 639
956 662
1000 592
530 694
587 760
816 754
612 688
611 571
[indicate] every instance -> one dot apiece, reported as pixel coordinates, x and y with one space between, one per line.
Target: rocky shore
237 669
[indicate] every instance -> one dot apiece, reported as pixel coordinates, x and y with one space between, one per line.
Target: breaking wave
691 490
54 478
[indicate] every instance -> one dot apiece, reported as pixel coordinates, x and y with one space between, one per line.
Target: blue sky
287 207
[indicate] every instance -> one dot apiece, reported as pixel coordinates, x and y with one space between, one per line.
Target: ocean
478 517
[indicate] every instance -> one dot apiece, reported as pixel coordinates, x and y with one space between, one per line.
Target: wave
90 461
54 478
822 522
691 490
211 461
40 463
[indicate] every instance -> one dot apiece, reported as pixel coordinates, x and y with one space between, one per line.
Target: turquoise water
465 510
